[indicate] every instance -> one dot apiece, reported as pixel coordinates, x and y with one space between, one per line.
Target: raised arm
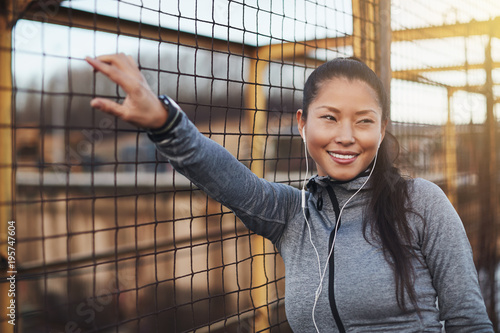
263 206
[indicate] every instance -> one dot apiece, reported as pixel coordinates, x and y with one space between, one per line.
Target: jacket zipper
331 263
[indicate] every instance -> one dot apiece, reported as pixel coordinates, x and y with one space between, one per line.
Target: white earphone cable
304 204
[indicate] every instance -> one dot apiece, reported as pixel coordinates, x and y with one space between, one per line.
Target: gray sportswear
359 286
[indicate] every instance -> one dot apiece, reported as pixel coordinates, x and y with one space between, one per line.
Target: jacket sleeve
261 205
448 255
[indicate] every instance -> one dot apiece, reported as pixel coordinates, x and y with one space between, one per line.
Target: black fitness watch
161 133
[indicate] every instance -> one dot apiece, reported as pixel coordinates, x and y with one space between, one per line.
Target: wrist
173 117
161 114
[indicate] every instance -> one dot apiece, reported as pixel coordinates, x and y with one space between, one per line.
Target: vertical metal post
364 33
488 181
384 35
451 154
257 119
6 184
492 192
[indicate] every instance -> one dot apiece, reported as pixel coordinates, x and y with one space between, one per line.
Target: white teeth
344 157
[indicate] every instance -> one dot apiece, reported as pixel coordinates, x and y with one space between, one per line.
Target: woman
364 249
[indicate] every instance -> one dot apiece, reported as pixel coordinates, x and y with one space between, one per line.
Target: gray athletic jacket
358 293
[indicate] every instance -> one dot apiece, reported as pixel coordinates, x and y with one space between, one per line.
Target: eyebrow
335 110
367 111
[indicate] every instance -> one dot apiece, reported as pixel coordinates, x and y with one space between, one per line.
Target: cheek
318 138
369 140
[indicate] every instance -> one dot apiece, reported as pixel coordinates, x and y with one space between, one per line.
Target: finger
121 61
107 106
105 63
119 75
93 62
131 61
99 65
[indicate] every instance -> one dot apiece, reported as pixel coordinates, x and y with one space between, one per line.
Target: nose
345 135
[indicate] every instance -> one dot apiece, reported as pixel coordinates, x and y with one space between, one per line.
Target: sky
261 22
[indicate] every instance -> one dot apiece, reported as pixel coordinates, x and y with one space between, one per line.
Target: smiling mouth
342 156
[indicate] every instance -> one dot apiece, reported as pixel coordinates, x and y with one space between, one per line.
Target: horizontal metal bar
162 180
471 28
95 22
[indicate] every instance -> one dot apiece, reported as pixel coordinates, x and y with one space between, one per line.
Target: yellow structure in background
256 101
6 186
451 154
364 40
5 123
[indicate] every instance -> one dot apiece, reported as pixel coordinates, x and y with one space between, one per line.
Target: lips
343 158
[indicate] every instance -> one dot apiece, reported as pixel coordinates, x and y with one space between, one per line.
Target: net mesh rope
110 238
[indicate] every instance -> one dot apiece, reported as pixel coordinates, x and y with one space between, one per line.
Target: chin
340 176
343 179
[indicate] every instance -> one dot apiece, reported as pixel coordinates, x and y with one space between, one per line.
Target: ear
300 123
382 131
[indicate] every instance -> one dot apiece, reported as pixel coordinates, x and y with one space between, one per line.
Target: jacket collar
352 184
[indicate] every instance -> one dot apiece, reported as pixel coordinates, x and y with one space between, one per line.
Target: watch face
165 100
168 101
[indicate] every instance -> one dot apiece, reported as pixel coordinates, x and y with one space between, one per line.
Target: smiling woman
391 246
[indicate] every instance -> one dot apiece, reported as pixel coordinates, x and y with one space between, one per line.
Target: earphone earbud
304 133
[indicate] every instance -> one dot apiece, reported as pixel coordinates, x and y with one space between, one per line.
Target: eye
366 121
329 117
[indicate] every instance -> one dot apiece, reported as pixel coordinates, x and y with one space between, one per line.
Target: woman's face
343 128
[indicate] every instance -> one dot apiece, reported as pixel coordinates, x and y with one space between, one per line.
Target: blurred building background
111 239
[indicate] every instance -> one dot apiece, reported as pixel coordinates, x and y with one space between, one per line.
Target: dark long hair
389 199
